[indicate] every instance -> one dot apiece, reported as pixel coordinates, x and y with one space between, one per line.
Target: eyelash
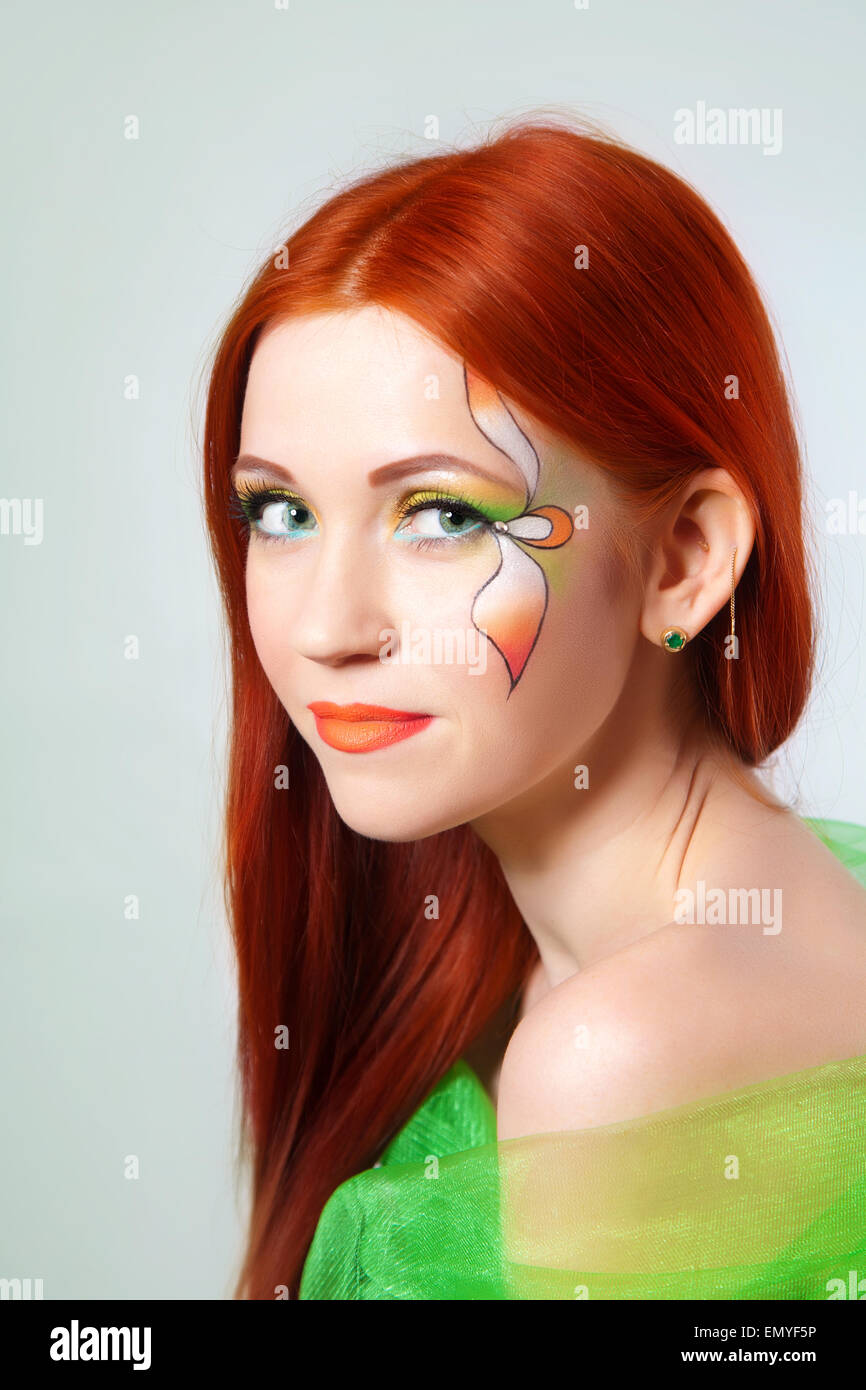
247 501
433 500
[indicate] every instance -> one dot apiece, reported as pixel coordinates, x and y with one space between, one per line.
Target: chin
382 814
385 825
412 810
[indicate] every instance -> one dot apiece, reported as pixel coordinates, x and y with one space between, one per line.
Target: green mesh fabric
755 1193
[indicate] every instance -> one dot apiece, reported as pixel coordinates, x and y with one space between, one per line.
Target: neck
594 870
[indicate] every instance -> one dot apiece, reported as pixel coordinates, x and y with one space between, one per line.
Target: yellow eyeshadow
493 503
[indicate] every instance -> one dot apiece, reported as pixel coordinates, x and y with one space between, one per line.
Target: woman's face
439 655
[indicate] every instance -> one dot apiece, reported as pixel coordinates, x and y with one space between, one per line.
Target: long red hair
629 358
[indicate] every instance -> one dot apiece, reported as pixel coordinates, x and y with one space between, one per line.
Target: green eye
439 518
273 515
431 519
437 523
285 519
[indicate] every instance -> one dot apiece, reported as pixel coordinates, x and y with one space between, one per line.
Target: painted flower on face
509 608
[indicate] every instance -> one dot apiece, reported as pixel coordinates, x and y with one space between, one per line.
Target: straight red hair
629 359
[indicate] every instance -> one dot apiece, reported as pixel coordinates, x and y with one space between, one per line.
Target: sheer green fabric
755 1193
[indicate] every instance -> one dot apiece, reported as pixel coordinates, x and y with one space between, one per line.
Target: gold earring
733 558
673 639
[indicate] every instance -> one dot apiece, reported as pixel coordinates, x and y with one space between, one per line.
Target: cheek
440 584
575 672
267 616
433 594
593 625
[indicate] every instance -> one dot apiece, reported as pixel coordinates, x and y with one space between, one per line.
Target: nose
342 610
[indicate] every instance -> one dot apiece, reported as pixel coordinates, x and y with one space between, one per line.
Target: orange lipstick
362 728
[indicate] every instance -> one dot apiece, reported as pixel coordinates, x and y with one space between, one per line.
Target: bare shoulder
700 1008
613 1042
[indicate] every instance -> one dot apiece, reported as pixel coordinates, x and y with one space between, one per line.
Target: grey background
123 257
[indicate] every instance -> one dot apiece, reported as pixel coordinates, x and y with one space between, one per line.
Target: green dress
751 1194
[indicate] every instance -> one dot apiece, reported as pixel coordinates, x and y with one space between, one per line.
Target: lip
361 728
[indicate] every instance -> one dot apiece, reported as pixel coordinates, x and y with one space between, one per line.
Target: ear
689 577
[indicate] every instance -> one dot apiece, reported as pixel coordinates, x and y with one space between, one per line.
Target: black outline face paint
513 601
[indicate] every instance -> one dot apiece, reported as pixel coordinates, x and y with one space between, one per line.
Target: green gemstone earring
674 639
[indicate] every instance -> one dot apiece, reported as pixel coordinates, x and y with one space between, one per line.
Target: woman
505 500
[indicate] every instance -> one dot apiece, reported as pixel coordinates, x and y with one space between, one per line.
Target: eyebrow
387 472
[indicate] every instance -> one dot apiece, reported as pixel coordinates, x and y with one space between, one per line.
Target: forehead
364 384
364 352
350 376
